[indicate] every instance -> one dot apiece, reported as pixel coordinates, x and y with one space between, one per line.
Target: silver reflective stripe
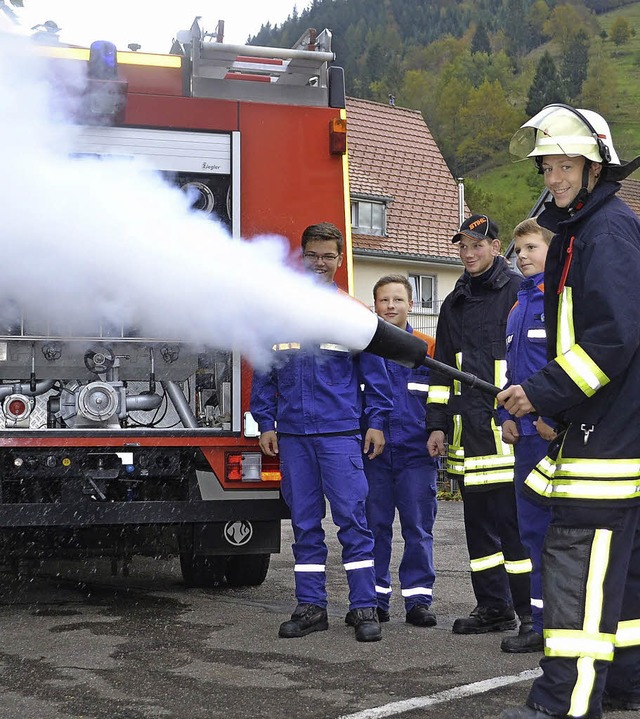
417 387
417 591
333 348
383 590
309 568
363 564
537 334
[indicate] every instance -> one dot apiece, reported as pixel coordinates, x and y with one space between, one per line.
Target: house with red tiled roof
630 193
405 206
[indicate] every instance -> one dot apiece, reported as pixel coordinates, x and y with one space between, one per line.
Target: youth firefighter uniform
471 336
313 395
526 353
405 476
591 557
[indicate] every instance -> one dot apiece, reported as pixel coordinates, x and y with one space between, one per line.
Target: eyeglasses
312 257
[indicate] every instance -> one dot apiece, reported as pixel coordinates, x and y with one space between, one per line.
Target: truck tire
202 572
247 570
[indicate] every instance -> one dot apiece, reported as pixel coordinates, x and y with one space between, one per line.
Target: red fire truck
112 444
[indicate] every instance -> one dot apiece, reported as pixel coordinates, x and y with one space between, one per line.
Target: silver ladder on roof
262 74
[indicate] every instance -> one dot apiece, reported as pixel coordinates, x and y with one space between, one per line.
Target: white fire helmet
562 130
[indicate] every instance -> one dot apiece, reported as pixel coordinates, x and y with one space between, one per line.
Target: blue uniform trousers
591 586
533 518
497 554
314 467
412 489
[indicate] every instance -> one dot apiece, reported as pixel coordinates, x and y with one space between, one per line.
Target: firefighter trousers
412 489
533 518
500 564
314 467
591 587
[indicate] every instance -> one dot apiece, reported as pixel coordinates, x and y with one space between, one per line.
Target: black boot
523 713
305 619
421 616
350 617
525 641
486 619
366 624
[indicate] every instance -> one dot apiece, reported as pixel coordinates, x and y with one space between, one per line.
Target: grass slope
508 191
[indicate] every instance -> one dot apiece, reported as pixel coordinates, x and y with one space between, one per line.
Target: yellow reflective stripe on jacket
438 394
540 479
286 346
577 643
489 469
628 634
457 385
551 478
455 453
570 356
482 479
483 563
521 566
582 370
597 468
566 335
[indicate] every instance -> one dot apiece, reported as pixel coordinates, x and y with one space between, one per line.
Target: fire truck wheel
247 570
199 571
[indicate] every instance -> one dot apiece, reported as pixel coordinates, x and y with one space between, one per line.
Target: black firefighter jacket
592 382
471 337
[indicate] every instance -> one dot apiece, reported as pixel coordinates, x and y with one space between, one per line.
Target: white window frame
362 221
416 283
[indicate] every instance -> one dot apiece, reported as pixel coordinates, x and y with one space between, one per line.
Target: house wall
367 271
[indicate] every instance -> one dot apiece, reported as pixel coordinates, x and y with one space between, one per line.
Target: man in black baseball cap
471 336
477 227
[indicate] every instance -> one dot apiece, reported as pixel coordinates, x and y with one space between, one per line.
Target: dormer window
368 216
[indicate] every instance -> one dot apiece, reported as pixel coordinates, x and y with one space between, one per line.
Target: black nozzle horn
398 345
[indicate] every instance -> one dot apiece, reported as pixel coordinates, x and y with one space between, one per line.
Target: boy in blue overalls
530 435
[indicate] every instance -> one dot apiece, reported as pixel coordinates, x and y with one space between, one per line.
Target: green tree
575 63
620 31
487 123
480 40
599 89
546 86
562 25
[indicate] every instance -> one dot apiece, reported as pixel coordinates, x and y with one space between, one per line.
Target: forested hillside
477 68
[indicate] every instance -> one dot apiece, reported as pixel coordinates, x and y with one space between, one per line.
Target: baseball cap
477 227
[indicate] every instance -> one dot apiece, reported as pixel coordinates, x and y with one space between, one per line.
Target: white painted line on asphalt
467 690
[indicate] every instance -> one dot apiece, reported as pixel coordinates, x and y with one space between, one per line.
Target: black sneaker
350 617
366 624
486 619
421 616
305 619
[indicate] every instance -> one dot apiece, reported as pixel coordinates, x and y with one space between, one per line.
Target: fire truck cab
114 444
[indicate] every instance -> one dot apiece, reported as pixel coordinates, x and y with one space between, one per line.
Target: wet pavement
80 643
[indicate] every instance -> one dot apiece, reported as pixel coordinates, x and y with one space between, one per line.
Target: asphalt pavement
80 643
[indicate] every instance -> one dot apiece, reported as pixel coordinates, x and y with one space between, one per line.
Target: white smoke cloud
90 240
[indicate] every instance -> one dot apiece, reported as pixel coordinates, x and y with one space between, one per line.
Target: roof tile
393 154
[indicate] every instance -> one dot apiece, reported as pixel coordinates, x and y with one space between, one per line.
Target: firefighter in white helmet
591 386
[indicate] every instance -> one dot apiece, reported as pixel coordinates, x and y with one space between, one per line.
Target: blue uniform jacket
405 429
526 344
317 390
